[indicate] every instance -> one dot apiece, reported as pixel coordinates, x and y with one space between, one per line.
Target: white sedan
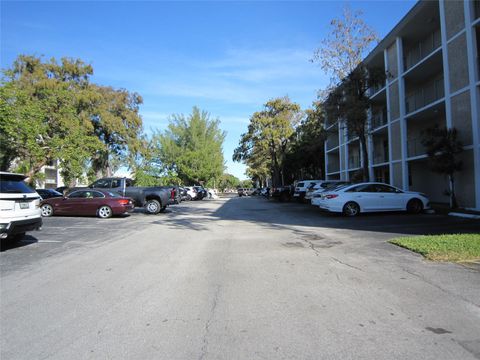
351 200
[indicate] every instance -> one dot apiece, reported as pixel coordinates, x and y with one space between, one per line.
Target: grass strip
451 247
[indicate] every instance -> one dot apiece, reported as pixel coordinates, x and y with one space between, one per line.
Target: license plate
24 205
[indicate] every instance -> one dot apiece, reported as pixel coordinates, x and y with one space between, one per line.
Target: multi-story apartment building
432 59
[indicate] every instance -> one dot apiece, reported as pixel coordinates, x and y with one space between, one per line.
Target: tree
269 134
349 103
228 181
191 148
305 158
345 47
118 125
43 117
443 148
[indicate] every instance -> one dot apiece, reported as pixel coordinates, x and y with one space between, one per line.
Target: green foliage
118 125
248 184
263 148
349 103
305 158
443 149
51 111
42 114
191 148
227 181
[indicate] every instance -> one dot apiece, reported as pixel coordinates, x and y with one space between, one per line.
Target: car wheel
351 209
105 212
153 207
414 206
47 210
189 198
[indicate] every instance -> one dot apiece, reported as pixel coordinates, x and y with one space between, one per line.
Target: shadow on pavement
273 214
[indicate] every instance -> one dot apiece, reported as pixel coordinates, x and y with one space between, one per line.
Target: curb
469 216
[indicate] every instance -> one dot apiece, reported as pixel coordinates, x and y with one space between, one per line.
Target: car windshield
14 186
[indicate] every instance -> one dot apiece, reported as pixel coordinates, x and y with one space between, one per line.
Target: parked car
241 192
352 200
301 188
321 186
283 193
154 199
48 193
191 193
19 207
183 193
88 202
201 192
62 189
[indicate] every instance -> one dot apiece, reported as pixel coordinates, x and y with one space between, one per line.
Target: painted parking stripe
49 241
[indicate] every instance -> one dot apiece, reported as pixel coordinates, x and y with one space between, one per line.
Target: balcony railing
422 49
429 93
415 147
372 90
332 142
379 119
353 162
333 167
380 158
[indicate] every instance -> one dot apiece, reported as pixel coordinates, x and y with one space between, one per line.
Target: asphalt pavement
238 278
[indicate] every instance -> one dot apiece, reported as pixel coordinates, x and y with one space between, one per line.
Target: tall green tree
269 135
349 102
443 149
305 158
191 148
118 125
43 115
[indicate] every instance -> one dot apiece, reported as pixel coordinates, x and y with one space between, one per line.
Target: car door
390 198
70 205
366 196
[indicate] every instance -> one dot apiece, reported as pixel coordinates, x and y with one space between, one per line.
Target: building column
446 70
403 121
472 76
370 146
389 119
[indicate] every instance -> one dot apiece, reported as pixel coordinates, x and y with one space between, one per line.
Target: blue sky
227 58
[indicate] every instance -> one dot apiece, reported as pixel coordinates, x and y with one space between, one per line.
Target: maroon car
89 202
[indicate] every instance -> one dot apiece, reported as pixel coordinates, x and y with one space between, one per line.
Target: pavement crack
346 264
431 283
208 323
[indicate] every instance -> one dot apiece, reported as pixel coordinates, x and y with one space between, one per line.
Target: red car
89 202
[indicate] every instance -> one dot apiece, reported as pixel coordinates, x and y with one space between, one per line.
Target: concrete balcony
423 48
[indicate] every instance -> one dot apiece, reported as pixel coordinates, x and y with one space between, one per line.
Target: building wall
441 86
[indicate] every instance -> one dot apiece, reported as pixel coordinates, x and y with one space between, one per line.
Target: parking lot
237 278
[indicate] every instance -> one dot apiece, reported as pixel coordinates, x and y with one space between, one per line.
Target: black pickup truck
154 199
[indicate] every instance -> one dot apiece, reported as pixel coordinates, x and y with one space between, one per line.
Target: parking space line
49 241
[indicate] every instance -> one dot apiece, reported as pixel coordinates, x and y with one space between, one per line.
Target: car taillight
123 201
331 196
172 194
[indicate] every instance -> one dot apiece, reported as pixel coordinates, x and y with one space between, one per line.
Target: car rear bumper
20 226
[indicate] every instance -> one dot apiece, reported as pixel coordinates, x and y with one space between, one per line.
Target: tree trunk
453 198
363 142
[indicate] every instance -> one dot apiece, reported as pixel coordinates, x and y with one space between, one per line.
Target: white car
351 200
19 207
321 186
301 188
191 192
